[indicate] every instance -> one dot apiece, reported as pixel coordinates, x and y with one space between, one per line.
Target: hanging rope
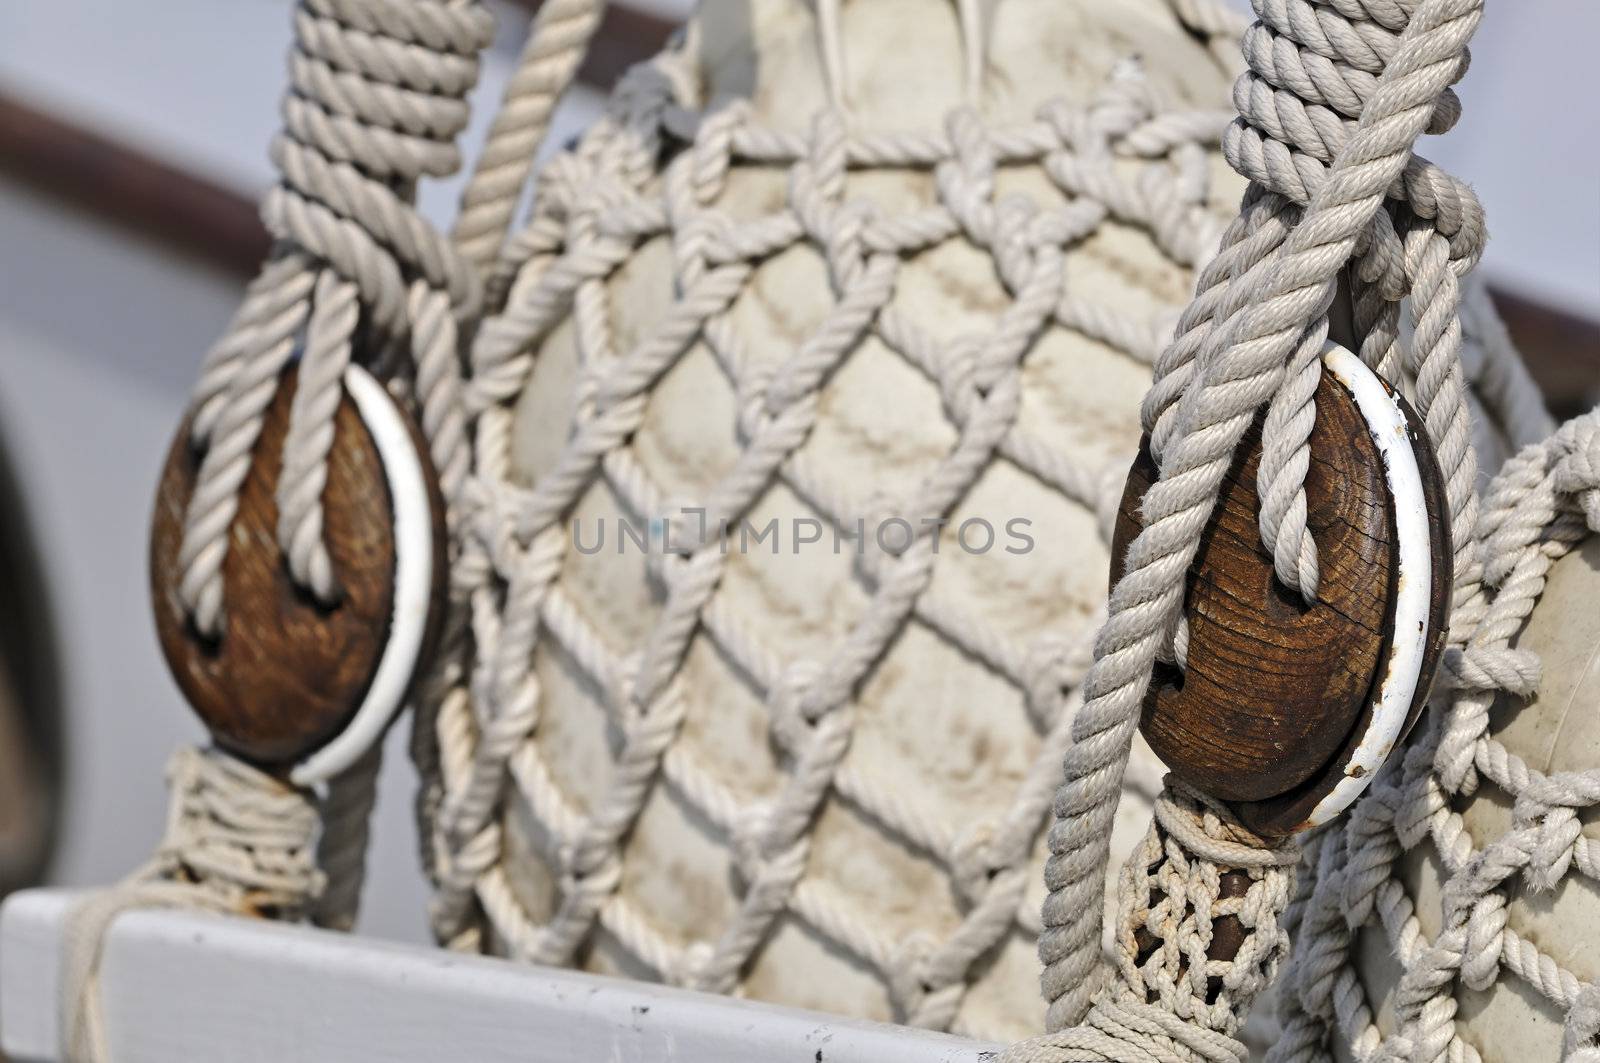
1334 100
377 97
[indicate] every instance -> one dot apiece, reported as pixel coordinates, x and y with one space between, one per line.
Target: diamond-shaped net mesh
797 459
797 449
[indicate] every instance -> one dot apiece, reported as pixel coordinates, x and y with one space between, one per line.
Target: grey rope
377 96
1250 340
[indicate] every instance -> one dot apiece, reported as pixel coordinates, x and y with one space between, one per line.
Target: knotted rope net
1335 97
495 786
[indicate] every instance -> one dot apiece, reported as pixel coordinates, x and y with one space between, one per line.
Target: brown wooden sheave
1276 693
287 673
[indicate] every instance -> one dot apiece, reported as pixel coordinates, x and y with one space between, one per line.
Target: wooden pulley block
296 686
1285 710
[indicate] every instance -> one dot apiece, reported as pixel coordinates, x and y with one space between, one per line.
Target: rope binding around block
1297 554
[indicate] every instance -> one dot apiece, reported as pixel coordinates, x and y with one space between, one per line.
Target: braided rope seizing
1171 997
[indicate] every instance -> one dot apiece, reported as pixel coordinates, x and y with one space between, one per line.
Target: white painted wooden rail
185 986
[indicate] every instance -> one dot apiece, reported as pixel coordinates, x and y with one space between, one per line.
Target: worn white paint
1402 670
181 986
413 581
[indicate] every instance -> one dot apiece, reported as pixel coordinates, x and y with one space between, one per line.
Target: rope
1170 1000
655 166
237 841
1252 339
1334 100
556 46
377 96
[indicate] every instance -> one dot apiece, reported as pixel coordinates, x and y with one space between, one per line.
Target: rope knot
972 861
789 702
1577 471
1581 1035
1477 667
1557 831
909 984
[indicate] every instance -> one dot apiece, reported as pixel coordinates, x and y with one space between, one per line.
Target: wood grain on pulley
1277 692
287 673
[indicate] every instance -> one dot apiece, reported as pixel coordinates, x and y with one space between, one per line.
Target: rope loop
377 97
1330 109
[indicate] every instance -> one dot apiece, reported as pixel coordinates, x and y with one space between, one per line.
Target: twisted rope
1251 339
556 46
377 97
596 205
237 841
1335 97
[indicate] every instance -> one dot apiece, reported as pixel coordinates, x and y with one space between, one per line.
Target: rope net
538 825
580 741
546 846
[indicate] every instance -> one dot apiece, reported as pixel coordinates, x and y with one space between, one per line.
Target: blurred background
133 145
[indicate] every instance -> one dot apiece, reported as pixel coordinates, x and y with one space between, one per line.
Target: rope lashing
237 841
377 97
1252 338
